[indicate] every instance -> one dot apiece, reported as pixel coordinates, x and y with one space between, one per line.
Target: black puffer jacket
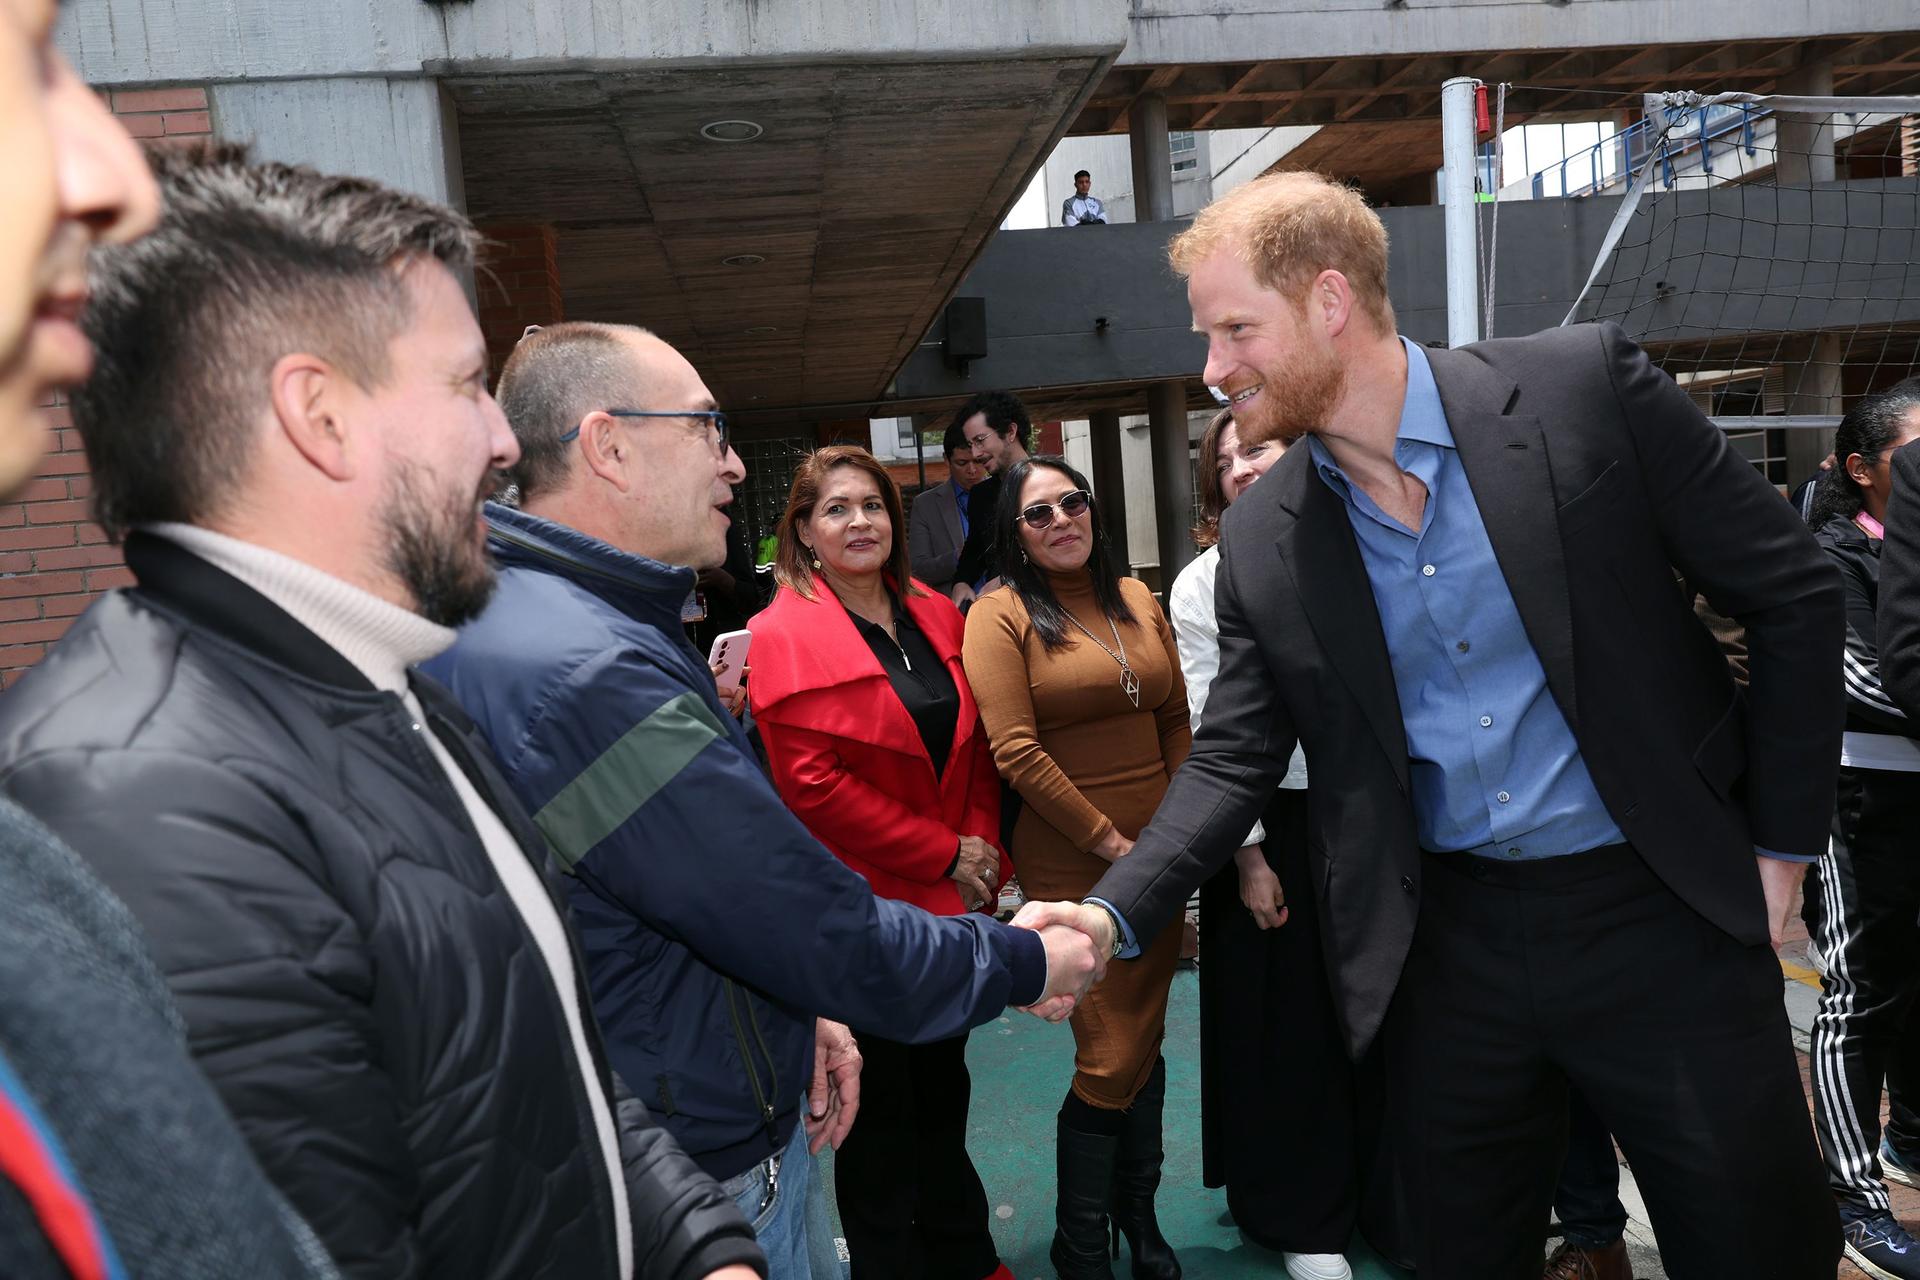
356 981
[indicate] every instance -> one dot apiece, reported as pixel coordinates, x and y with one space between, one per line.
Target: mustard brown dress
1085 760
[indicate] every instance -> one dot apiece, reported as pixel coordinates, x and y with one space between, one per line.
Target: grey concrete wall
1198 31
400 132
1832 257
127 42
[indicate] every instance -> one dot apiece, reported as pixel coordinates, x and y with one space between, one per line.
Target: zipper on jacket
760 1096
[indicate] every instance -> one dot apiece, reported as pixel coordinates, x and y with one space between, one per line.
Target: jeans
795 1227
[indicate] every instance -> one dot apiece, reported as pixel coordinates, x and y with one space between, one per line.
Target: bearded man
288 424
1550 839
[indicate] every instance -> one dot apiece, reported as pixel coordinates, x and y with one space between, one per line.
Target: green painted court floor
1020 1071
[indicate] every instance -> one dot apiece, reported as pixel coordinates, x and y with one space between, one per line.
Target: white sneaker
1317 1266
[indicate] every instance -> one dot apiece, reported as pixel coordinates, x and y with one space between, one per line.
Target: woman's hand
976 871
733 696
1260 888
1113 846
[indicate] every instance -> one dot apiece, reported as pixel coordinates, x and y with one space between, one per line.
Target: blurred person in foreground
1532 770
1079 686
1279 1117
116 1156
728 950
876 744
289 428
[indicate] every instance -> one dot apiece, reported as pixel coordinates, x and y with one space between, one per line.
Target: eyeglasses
1072 504
718 440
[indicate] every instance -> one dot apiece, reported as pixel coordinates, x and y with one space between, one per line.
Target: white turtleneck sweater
383 640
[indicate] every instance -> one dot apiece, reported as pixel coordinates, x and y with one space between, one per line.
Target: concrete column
400 132
1109 476
1166 401
1152 159
1806 156
1172 478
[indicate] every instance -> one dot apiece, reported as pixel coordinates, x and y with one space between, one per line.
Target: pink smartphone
730 649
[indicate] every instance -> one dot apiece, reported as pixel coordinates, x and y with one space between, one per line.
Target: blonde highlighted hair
1289 227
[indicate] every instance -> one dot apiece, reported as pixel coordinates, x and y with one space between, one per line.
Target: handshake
1078 939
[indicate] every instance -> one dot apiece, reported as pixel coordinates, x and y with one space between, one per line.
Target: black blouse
920 680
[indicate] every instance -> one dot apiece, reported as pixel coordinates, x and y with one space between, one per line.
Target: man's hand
733 695
734 1273
834 1097
1260 888
1078 940
1779 878
976 871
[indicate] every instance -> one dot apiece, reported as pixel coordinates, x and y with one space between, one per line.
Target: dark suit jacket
933 534
1596 478
1898 611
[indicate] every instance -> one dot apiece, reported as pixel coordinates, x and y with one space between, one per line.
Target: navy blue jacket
716 929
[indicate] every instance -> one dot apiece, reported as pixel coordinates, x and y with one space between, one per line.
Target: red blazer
848 760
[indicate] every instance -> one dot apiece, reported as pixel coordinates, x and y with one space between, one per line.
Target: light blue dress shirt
1494 768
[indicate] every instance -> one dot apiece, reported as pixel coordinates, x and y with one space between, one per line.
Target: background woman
1276 1089
875 742
1080 688
1870 876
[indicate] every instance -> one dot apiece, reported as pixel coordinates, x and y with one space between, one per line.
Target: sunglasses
1072 504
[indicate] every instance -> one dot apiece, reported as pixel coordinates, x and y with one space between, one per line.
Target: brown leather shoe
1570 1262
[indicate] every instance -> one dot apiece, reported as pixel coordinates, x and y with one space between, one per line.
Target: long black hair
1868 429
1028 581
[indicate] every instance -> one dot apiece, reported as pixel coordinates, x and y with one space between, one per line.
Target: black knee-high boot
1080 1215
1136 1177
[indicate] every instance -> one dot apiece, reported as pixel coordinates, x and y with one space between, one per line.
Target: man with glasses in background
727 948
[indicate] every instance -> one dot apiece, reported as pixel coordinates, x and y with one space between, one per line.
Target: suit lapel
1505 458
950 514
1320 551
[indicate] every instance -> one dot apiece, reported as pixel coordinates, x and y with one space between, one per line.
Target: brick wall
518 284
53 559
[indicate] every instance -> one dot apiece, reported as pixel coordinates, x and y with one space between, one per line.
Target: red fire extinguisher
1482 117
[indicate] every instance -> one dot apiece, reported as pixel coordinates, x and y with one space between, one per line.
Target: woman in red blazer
876 743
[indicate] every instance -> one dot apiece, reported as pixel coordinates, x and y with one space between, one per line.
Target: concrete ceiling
871 190
1340 90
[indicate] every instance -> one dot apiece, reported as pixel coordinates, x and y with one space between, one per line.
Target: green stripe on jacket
626 775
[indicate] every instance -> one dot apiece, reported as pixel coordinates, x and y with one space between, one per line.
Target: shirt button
1503 797
1426 571
1463 646
1486 722
1406 882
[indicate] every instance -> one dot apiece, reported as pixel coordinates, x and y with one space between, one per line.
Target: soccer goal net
1766 250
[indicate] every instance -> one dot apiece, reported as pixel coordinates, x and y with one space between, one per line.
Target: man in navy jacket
717 930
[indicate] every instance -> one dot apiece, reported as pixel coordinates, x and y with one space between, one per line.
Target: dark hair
1004 413
791 567
1213 499
955 441
250 262
1082 174
1868 429
554 378
1029 583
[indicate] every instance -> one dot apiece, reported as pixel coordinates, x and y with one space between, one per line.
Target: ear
1858 471
1330 301
604 447
306 394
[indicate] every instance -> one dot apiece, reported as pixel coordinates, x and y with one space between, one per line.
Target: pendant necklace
1129 682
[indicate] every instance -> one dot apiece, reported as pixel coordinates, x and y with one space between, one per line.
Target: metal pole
1463 270
1110 483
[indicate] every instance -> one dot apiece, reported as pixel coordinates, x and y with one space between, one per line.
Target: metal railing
1612 162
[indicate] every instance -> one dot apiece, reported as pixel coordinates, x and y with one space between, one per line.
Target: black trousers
1868 1027
1587 1201
910 1201
1527 977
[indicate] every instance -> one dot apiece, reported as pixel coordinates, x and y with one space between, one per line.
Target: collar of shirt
1422 433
